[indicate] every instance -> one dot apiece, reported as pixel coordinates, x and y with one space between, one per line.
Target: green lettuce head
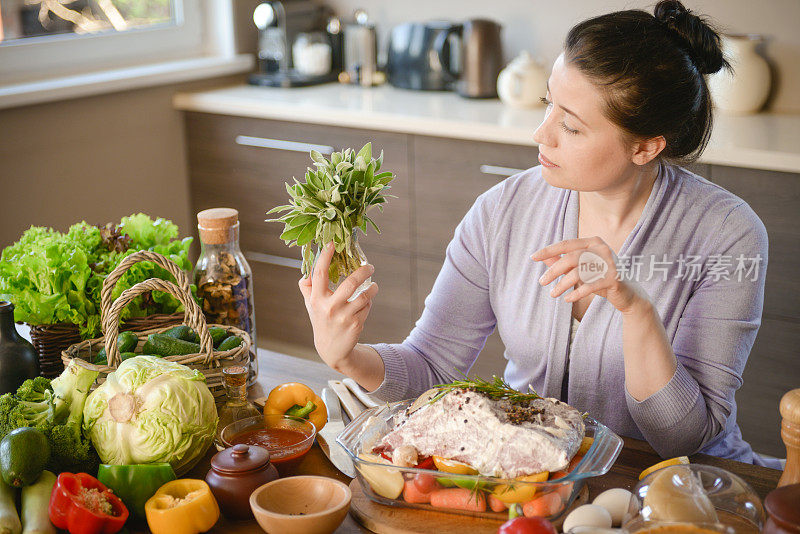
151 410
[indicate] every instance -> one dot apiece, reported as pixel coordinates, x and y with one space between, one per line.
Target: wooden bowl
301 505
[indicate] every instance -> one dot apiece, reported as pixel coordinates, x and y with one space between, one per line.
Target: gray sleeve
457 318
712 343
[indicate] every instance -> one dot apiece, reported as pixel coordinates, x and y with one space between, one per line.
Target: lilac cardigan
488 281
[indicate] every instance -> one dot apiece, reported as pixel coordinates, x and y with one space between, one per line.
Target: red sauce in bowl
283 444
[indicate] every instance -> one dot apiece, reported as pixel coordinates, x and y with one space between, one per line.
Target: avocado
24 452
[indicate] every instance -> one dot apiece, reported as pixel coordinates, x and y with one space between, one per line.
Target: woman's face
579 148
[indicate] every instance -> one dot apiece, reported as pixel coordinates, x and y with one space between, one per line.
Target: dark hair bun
700 41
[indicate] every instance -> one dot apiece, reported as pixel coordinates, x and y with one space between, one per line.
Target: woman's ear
645 150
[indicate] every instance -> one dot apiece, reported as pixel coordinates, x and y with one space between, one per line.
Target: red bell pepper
81 504
425 463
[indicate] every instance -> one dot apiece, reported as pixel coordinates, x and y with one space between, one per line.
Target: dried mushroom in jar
224 289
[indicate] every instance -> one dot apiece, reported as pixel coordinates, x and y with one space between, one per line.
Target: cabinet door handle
499 171
270 259
280 144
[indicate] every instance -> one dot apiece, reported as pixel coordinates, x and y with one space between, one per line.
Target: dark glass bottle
18 359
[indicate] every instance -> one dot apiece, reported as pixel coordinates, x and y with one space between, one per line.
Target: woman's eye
544 101
568 129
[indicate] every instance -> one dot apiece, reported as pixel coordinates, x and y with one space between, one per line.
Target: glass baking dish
486 496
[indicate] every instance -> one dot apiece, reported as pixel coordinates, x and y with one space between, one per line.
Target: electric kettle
481 57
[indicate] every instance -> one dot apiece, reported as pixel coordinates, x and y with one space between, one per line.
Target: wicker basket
208 361
50 340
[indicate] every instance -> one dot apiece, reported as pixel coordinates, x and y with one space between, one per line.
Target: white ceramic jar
523 82
745 90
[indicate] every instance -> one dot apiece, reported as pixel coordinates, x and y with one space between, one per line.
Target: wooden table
275 368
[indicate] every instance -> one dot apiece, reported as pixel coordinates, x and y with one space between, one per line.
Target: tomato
425 482
527 525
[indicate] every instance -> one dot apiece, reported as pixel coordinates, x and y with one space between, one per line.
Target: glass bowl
694 497
286 438
386 484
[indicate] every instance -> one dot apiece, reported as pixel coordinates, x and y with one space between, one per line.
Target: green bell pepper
134 484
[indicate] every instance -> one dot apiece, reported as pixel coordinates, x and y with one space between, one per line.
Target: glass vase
348 262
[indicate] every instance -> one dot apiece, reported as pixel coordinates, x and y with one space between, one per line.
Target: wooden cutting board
384 519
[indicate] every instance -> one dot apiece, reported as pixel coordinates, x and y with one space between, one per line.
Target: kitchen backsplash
540 26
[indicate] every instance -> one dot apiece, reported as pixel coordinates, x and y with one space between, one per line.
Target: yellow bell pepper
298 400
519 493
184 506
453 466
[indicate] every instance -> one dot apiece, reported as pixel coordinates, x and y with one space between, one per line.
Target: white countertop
763 141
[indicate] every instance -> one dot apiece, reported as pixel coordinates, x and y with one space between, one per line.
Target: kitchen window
57 49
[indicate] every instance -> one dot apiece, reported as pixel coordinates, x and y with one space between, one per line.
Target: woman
662 319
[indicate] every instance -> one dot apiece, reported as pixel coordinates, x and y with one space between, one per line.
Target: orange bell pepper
183 506
297 400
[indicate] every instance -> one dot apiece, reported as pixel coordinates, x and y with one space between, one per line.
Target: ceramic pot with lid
235 474
523 82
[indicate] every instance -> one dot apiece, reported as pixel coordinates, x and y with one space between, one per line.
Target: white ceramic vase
746 89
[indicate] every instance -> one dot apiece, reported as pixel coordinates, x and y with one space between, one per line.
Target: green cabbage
151 410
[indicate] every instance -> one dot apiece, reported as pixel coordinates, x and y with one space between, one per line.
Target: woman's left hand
589 265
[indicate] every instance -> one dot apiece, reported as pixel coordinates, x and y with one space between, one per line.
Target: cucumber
126 342
35 505
183 332
230 342
218 335
9 519
164 345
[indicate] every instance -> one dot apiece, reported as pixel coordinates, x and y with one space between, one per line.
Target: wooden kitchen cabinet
449 174
773 367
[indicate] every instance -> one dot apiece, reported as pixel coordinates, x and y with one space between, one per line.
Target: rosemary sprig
496 389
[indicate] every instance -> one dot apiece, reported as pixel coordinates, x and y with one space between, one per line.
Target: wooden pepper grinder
790 432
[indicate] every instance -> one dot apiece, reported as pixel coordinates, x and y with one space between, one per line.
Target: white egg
616 501
588 515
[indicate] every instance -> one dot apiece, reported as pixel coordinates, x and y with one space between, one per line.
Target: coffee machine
282 25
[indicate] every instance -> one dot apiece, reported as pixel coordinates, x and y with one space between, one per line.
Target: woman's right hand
337 323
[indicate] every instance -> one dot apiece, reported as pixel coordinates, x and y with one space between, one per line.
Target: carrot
459 499
412 494
425 482
574 462
565 490
496 504
544 506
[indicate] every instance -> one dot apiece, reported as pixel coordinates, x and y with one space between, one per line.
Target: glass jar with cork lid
223 278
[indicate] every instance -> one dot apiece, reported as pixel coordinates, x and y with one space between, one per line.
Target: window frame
202 28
